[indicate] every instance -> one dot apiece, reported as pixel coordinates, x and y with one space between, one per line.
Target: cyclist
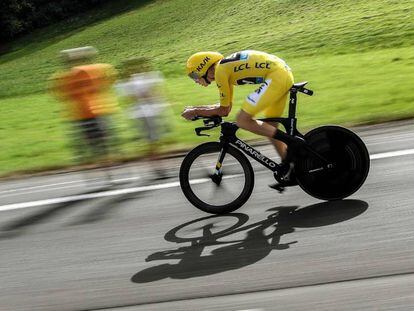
247 67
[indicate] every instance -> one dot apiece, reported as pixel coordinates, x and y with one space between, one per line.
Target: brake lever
198 131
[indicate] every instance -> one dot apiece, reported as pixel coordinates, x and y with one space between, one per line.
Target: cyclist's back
248 67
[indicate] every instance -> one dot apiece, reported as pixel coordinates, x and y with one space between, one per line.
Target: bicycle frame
228 136
330 163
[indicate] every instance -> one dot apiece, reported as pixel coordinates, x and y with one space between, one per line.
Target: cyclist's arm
223 109
213 110
225 89
206 111
226 95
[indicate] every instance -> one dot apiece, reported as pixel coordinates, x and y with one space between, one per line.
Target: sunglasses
194 75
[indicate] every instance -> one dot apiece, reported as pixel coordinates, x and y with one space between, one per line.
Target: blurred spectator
85 89
143 86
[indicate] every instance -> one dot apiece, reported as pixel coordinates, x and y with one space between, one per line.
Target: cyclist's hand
189 114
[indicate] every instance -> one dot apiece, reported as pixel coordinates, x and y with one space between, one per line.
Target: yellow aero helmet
199 63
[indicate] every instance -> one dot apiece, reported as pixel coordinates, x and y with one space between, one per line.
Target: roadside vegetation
357 55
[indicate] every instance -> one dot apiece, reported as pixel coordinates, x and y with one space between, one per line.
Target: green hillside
357 55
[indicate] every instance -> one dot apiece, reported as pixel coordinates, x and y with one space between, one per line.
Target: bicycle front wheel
202 189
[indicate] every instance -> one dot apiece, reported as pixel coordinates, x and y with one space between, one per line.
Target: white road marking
65 185
392 154
41 186
80 197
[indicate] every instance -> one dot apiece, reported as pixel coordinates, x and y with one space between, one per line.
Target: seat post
292 102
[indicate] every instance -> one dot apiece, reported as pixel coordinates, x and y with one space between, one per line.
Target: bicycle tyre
346 151
208 148
174 236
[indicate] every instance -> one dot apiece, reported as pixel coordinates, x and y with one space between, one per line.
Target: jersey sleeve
225 89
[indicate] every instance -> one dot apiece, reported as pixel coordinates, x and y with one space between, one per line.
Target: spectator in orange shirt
86 90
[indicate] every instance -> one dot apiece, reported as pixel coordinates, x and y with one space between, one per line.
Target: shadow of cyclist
234 254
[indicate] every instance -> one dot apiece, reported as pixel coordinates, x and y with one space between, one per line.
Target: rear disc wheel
349 158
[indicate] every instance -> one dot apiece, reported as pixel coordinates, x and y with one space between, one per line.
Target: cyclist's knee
243 119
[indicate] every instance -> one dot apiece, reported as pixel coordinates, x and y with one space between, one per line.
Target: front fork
228 134
218 175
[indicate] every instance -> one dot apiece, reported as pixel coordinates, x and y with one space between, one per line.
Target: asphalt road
70 242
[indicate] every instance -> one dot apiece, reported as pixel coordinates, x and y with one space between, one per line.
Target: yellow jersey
244 67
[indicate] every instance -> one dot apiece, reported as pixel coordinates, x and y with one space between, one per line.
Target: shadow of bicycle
233 254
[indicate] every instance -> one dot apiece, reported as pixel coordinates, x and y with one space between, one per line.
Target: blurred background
91 84
357 56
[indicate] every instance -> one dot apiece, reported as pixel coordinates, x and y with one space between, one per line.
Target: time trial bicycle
217 177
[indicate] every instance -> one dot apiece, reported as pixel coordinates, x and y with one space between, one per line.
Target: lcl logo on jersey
262 65
241 67
203 63
265 65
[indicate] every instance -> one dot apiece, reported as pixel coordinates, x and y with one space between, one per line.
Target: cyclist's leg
269 98
255 103
247 122
276 111
280 146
